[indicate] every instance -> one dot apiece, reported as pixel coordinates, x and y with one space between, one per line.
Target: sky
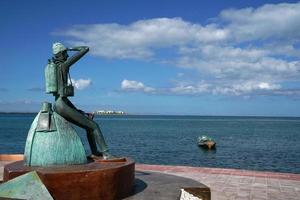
231 58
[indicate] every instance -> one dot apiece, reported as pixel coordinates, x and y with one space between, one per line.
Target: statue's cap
58 47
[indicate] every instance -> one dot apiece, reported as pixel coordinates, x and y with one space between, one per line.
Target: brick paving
233 184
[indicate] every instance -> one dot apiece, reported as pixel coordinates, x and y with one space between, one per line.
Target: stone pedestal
94 180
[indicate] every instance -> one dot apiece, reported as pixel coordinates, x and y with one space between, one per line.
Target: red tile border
11 157
205 170
188 169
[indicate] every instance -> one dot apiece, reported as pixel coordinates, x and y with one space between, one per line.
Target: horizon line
164 114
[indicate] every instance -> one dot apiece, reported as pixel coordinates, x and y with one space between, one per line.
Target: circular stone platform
94 180
153 185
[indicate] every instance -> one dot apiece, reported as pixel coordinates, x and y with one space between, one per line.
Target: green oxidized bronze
51 132
65 108
52 140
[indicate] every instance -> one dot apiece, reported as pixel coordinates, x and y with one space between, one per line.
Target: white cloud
81 84
131 85
187 89
236 89
245 88
137 40
280 21
140 39
243 51
236 63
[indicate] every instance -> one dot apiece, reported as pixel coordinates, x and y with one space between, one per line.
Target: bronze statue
57 76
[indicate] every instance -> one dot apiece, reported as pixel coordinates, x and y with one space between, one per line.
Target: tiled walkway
237 184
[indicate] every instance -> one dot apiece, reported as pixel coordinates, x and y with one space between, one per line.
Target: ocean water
254 143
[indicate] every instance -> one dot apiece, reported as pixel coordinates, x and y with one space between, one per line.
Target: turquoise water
256 143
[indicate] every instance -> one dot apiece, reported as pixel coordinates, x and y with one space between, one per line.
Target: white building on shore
109 112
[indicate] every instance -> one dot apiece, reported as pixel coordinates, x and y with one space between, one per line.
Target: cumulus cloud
131 85
243 51
225 89
81 84
246 88
236 89
137 40
237 63
280 21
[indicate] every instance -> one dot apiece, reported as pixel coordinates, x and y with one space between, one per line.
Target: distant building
109 112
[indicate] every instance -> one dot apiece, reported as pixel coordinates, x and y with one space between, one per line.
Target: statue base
94 180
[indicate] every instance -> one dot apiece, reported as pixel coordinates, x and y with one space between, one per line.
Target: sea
252 143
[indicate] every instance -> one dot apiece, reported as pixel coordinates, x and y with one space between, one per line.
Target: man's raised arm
82 50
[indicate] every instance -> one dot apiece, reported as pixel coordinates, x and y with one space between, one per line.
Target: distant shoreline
18 112
177 115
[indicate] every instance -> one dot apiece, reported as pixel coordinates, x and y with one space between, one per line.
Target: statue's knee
95 125
57 108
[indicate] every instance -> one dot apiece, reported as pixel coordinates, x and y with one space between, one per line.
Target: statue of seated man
63 89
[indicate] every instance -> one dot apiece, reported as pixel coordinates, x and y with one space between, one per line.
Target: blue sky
157 57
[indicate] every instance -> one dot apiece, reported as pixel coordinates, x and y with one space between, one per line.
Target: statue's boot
96 141
107 156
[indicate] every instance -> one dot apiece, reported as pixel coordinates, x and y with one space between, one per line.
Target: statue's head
60 51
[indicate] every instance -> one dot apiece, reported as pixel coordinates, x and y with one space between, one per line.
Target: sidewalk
233 184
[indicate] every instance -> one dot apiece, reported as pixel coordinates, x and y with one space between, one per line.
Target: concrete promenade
232 184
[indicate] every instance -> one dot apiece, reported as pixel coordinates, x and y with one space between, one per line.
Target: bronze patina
64 107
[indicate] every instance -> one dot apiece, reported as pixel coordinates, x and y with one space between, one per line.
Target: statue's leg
90 134
92 142
94 135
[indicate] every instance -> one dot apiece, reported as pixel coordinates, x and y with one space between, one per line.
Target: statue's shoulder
51 61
